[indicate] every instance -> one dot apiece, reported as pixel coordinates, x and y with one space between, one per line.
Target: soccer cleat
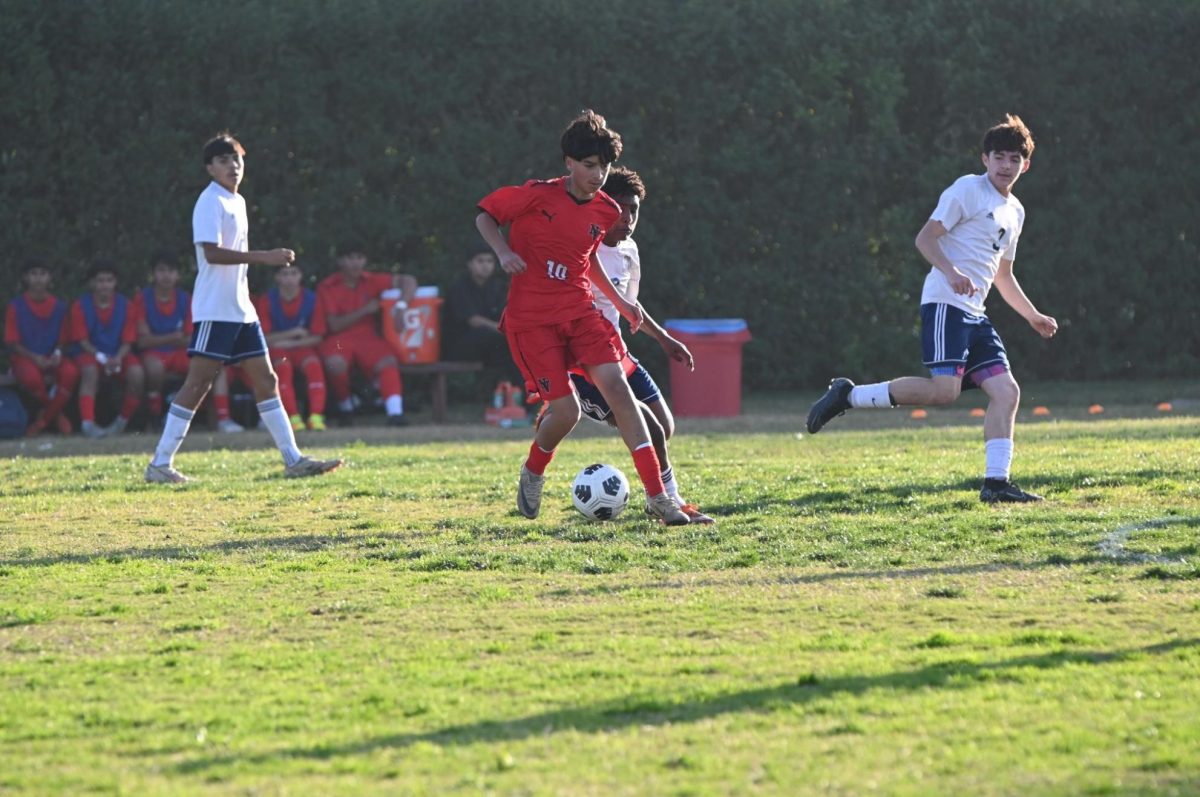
229 426
63 424
307 466
663 507
297 423
116 427
316 422
835 402
164 474
89 429
529 493
997 492
695 515
397 420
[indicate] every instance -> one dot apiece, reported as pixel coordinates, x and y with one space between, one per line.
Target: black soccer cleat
835 402
1003 492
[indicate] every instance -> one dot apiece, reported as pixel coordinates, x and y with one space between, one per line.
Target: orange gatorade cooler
714 389
415 331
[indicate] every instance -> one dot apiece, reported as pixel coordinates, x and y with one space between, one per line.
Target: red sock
287 386
646 462
87 408
221 403
340 384
539 459
314 374
389 382
56 404
129 405
154 403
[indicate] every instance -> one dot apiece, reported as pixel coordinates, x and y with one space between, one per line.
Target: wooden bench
438 371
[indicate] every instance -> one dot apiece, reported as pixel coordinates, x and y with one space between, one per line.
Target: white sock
875 395
668 477
998 458
346 405
175 428
394 405
277 423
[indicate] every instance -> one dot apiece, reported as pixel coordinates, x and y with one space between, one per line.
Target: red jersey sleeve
77 324
11 335
378 281
129 333
317 325
507 203
263 305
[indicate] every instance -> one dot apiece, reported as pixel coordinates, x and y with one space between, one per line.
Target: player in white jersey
619 257
971 242
226 329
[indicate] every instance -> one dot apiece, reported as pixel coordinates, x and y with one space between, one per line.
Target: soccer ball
600 492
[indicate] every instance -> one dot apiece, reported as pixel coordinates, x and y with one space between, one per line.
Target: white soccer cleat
529 493
307 466
663 507
164 474
90 430
230 426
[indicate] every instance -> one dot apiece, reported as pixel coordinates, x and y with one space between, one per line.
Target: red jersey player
104 327
294 323
551 320
349 300
35 329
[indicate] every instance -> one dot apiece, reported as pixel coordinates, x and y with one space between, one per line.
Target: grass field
857 623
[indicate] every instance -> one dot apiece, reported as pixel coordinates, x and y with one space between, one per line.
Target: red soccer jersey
167 308
79 330
555 234
43 310
316 324
335 297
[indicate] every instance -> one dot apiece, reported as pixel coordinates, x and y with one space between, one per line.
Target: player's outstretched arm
631 312
510 261
218 256
674 348
1010 289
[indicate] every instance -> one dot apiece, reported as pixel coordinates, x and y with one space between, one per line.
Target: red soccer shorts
174 361
84 359
297 357
363 351
545 354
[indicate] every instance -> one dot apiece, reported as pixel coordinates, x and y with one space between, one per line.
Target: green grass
857 622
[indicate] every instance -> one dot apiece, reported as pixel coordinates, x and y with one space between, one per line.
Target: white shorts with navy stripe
227 341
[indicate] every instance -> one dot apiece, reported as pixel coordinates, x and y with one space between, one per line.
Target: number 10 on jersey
556 271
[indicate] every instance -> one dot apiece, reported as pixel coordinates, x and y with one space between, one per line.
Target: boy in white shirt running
971 242
226 328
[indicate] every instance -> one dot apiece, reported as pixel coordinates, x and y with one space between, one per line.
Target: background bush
791 150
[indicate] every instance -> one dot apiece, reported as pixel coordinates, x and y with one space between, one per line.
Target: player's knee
945 393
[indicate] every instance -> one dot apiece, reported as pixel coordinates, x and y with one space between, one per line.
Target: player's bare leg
1004 397
178 419
609 379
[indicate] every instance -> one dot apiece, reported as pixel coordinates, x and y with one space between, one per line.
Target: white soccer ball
600 492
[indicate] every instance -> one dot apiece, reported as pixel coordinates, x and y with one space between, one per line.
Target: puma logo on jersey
549 216
594 231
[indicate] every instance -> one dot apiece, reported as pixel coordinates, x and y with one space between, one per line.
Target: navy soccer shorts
595 407
227 341
957 343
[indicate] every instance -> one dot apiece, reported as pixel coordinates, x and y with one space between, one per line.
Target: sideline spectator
349 300
104 328
292 319
474 305
35 330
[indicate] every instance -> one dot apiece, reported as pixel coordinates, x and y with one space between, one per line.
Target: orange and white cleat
695 515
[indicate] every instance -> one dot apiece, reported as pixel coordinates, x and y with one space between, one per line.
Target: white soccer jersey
222 293
982 228
623 266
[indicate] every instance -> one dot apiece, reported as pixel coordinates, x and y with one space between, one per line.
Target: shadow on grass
293 543
636 710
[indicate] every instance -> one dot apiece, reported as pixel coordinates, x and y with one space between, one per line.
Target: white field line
1113 544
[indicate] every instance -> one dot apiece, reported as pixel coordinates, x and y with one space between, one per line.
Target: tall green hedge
791 148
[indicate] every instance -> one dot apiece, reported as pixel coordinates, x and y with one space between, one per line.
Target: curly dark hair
1011 135
587 135
623 181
